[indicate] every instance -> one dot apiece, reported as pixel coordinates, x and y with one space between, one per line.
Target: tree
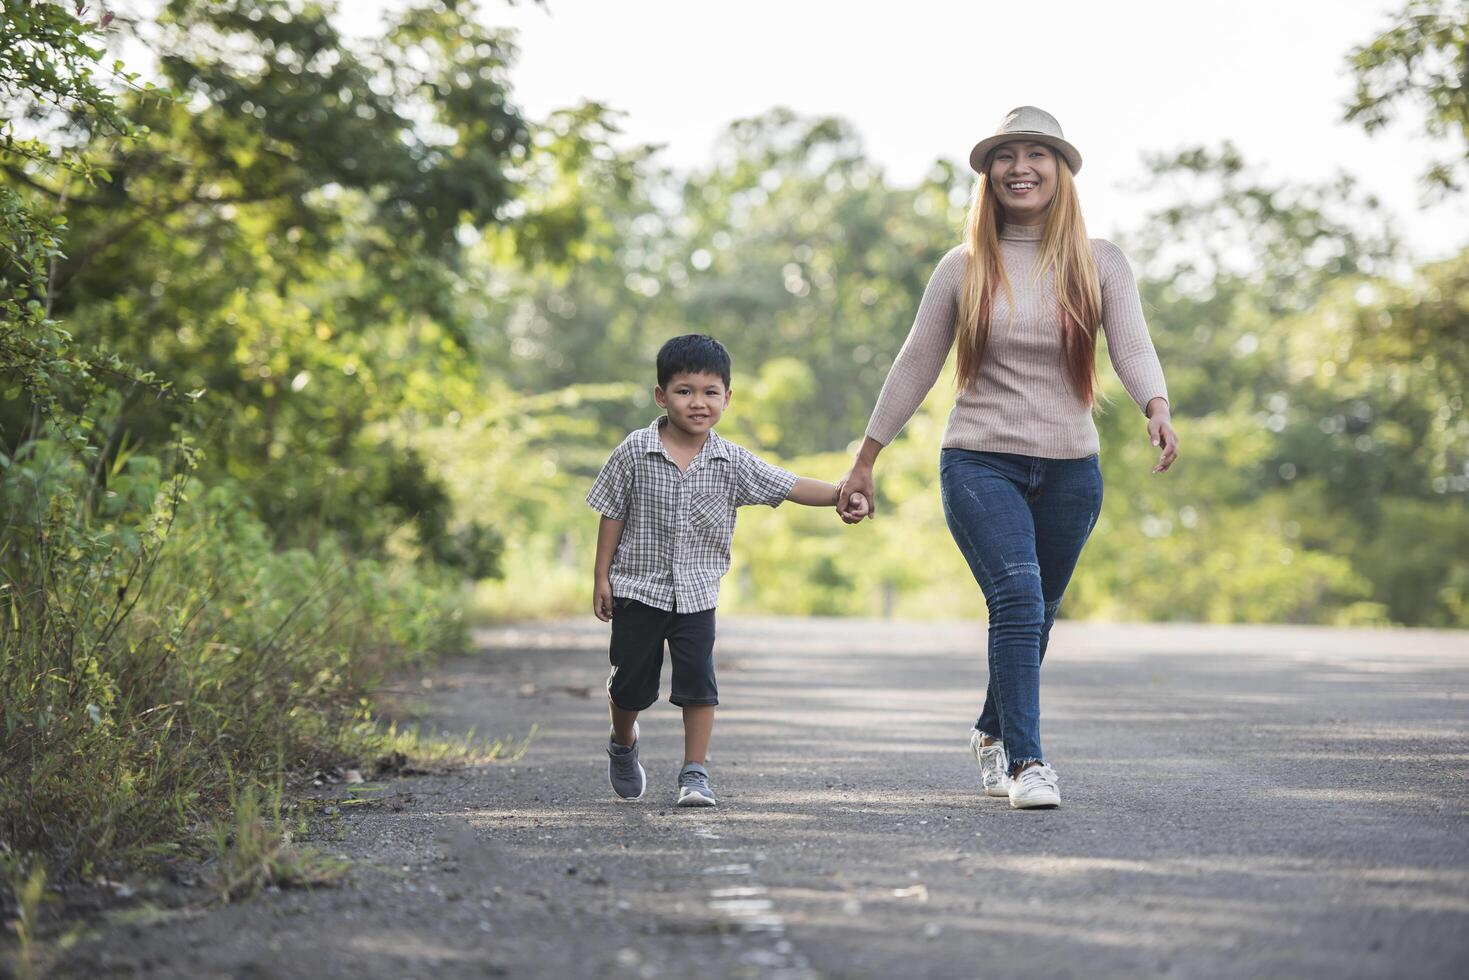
49 68
288 237
1422 60
790 248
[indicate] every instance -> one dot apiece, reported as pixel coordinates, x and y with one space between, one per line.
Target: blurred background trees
362 253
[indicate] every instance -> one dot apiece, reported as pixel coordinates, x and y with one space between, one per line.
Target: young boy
668 496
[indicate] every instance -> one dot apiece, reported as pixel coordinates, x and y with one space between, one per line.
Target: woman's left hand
1160 431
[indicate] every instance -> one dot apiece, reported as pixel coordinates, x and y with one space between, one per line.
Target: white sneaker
994 764
1035 788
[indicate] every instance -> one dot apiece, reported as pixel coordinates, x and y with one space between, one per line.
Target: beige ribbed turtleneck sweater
1022 401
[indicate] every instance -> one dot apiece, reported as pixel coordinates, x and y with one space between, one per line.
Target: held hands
602 600
1161 434
857 495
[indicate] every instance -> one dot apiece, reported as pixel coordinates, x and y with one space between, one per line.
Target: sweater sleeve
922 356
1128 343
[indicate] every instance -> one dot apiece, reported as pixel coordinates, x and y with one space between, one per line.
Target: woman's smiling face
1023 176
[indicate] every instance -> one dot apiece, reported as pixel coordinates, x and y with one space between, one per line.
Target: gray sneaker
624 770
693 786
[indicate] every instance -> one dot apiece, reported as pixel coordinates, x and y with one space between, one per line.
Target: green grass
254 847
163 667
394 747
25 884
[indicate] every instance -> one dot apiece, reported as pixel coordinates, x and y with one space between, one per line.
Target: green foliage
1229 235
24 881
163 637
48 65
1422 59
255 848
251 247
198 586
420 123
1329 386
395 747
210 584
789 248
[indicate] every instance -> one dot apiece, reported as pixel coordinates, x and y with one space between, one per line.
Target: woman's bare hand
1160 432
858 483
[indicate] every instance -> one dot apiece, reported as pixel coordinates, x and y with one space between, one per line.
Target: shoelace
1037 774
696 780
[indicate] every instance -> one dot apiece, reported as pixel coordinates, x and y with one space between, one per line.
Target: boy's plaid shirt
675 545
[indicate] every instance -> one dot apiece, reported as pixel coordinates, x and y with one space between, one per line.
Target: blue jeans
1020 522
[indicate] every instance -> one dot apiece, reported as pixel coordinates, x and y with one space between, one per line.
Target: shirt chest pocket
707 509
709 494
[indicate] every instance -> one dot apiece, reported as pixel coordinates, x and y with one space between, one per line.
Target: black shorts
639 632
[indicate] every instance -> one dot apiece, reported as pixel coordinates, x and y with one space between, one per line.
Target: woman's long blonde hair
1066 256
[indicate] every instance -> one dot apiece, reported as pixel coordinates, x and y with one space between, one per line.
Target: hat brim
982 150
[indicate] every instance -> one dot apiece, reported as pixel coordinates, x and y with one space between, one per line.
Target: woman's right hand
858 480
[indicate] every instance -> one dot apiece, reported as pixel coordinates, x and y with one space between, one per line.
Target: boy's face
694 402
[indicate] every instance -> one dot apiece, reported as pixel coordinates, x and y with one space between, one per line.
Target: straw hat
1025 123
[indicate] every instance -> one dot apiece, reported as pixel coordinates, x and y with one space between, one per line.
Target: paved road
1239 802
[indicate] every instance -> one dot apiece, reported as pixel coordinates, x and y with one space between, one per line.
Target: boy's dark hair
693 353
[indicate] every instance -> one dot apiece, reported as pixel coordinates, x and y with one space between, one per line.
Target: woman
1023 297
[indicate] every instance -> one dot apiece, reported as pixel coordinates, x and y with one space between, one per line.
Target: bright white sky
923 79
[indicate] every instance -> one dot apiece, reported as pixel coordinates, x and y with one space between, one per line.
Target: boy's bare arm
609 533
815 493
